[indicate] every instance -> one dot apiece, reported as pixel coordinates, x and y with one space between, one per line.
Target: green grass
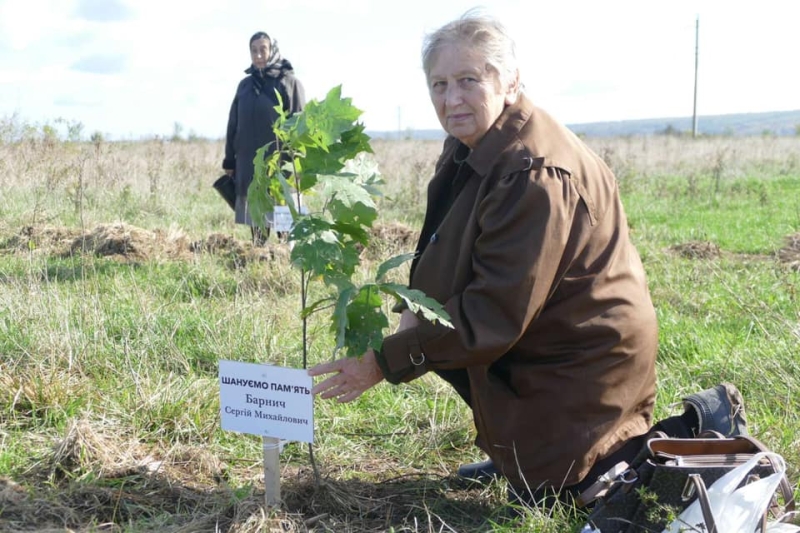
749 215
108 380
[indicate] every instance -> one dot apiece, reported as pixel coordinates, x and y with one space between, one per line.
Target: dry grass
91 177
97 478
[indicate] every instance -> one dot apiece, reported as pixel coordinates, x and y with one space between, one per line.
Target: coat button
434 238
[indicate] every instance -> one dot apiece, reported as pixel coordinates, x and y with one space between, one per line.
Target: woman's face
467 95
259 52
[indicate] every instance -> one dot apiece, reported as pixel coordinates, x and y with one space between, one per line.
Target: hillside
742 124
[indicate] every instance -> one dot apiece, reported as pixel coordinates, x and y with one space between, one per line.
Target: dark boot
484 471
719 409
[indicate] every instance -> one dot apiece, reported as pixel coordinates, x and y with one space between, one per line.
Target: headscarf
276 65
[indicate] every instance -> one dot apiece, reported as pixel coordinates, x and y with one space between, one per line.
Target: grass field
123 281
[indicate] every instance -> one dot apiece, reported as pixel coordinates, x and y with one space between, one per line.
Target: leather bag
661 482
226 188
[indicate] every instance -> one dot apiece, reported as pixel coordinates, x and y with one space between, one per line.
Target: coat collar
523 137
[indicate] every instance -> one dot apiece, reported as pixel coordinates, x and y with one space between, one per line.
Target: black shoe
719 409
483 471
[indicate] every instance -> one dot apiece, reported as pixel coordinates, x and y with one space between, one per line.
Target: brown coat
555 333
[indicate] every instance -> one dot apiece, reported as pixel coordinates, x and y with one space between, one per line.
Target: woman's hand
351 377
229 172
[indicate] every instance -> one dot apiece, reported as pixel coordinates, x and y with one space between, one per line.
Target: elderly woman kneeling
525 242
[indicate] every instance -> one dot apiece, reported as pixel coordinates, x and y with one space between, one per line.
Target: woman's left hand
352 376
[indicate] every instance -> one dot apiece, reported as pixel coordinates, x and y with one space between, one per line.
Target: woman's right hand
229 172
351 377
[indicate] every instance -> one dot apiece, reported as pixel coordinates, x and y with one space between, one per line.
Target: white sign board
282 218
266 400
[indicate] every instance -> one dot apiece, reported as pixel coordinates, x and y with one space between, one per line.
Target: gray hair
484 34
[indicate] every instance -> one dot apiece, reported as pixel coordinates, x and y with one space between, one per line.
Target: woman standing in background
252 115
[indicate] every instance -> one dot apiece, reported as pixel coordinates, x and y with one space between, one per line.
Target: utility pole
696 58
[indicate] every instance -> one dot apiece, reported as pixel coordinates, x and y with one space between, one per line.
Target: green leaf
418 302
307 180
356 141
349 202
348 261
261 196
288 195
321 124
323 161
392 263
365 321
260 202
365 169
279 110
339 319
320 251
317 254
331 159
356 232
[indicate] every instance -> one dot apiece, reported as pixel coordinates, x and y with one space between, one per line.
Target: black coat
252 116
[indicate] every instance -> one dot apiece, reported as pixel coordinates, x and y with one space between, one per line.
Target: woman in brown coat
525 242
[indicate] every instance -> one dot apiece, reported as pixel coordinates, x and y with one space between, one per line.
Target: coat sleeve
298 97
229 163
525 225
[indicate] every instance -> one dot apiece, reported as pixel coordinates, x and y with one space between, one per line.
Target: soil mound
697 250
790 254
130 244
391 239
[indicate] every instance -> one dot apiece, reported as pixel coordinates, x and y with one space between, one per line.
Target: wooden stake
272 471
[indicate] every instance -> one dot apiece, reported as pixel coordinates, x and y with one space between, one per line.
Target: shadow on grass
417 502
141 501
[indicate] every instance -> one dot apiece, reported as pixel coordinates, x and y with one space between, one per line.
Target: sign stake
272 471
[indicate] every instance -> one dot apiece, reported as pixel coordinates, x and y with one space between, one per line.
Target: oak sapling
321 152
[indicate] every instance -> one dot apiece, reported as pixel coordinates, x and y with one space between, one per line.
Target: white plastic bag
782 527
735 510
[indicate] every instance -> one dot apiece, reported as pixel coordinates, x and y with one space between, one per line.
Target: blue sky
133 68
